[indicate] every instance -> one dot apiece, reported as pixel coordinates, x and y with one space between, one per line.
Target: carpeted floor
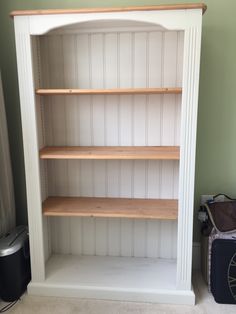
205 304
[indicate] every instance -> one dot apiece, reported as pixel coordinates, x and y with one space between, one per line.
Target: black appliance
14 264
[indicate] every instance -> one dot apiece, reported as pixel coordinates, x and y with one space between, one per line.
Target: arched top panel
169 20
106 26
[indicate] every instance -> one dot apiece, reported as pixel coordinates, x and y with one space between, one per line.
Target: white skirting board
157 296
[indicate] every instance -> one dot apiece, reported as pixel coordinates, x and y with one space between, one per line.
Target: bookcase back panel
111 60
112 120
126 178
116 237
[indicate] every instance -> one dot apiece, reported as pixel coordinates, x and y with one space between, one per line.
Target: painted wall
216 145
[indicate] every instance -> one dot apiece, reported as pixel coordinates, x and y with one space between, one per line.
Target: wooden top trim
107 10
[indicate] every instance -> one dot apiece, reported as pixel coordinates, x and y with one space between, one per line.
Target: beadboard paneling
112 60
118 237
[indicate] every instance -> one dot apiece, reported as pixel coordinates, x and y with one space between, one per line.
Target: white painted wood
188 148
7 202
76 235
41 130
113 60
112 271
127 239
116 72
114 179
89 234
28 117
102 27
47 238
101 237
39 108
113 226
128 54
172 20
55 240
125 279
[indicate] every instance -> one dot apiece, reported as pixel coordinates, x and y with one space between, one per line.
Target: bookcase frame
187 18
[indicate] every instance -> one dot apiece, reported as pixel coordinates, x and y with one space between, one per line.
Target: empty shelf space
111 272
111 278
112 91
111 207
111 152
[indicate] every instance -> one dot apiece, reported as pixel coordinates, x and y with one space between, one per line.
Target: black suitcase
223 271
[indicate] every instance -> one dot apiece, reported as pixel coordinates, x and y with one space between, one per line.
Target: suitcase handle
226 196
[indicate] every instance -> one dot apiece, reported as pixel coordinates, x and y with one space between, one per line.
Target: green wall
216 144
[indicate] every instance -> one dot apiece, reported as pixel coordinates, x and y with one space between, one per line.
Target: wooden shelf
185 6
113 91
111 152
111 207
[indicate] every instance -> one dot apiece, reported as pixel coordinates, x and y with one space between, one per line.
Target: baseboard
196 255
181 297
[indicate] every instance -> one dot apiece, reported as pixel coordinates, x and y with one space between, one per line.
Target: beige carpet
205 304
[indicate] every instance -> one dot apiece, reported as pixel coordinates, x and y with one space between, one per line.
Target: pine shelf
111 152
165 209
113 91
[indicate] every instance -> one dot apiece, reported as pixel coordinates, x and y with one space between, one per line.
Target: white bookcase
109 109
